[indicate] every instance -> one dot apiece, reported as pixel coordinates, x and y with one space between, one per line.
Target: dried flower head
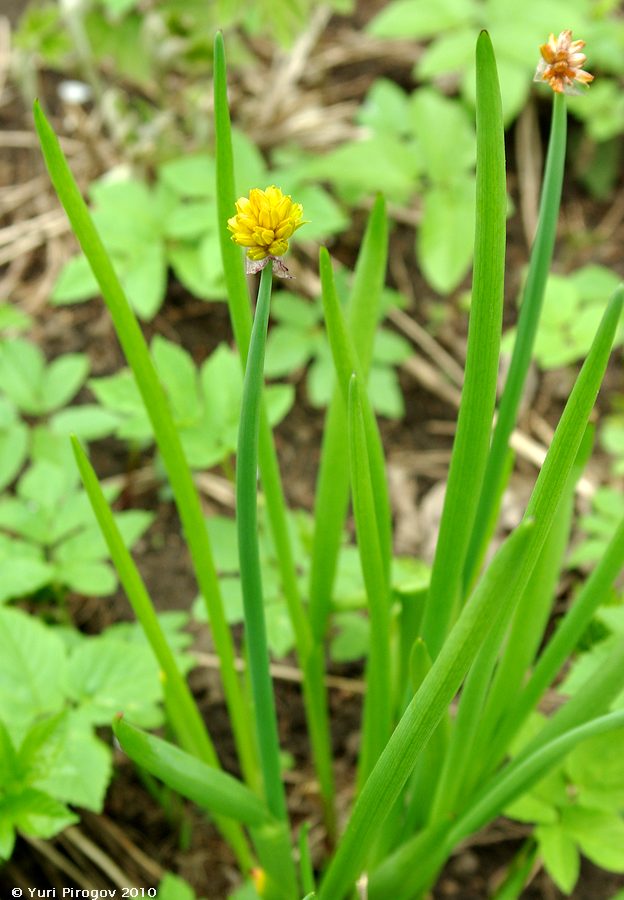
264 223
561 64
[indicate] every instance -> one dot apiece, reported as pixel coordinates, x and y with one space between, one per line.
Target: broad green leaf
32 668
179 377
13 443
75 283
13 319
446 136
280 634
385 392
145 280
599 835
279 399
324 215
414 19
450 52
45 485
530 808
352 640
65 759
22 367
560 856
294 311
385 108
358 169
174 888
190 176
89 422
89 577
287 350
63 379
596 768
21 576
191 220
106 677
445 239
34 813
250 168
224 542
390 348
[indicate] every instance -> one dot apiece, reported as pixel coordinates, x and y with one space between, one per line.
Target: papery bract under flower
561 64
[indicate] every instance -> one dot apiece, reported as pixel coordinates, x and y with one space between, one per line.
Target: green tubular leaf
238 295
314 690
472 439
541 256
215 791
377 705
425 712
250 570
167 438
346 363
332 493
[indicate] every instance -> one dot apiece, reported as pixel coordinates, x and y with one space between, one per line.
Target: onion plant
451 681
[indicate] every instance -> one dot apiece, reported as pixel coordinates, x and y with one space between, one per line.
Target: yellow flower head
561 64
264 223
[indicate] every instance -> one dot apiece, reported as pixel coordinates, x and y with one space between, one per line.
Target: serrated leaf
145 281
22 367
446 136
32 669
599 834
385 392
287 349
191 220
75 283
34 813
599 786
67 761
445 239
89 577
174 888
190 176
412 18
88 422
106 677
353 638
561 858
23 576
279 399
13 446
179 375
63 379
